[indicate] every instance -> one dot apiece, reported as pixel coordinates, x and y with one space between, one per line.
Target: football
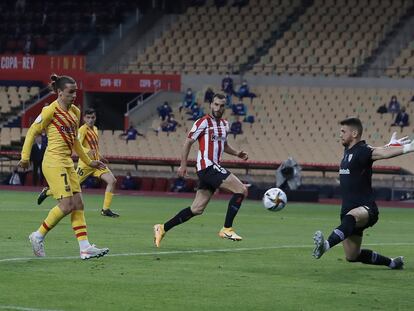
274 199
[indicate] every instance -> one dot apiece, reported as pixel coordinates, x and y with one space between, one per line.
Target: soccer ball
274 199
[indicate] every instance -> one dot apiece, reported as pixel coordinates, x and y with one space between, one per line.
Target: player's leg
45 191
110 181
58 178
234 185
200 202
43 195
78 221
354 253
356 218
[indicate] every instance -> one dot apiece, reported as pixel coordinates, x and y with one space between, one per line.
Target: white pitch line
23 308
195 251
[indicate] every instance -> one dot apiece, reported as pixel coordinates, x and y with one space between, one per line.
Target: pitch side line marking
196 251
23 308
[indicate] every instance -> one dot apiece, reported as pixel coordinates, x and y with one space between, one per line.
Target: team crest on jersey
38 119
350 157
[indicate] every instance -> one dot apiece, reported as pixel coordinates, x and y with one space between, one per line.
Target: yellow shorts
63 181
84 171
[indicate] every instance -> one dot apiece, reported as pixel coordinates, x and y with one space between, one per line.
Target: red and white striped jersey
211 134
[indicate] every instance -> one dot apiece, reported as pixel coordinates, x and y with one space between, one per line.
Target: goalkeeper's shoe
93 252
42 195
38 245
159 233
398 263
319 242
229 234
109 213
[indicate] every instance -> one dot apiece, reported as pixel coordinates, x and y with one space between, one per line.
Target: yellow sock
48 192
108 200
79 225
54 216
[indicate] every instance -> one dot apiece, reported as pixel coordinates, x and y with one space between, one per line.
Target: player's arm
84 157
238 153
41 122
182 170
379 153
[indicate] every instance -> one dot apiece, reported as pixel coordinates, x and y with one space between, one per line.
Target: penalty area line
195 251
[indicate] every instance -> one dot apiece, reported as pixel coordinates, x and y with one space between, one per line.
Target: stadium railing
247 165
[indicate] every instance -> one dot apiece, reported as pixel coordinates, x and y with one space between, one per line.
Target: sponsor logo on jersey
67 129
217 138
344 171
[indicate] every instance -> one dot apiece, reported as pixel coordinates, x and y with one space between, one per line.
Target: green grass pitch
271 269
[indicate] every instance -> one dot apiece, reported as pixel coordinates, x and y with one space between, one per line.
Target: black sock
234 206
184 215
370 257
344 230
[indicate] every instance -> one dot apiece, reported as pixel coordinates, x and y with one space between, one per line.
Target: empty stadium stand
402 67
332 38
208 39
12 98
49 25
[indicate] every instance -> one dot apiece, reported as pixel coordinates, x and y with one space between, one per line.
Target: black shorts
372 219
211 177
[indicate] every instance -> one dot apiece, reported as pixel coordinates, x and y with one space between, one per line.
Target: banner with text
131 83
39 67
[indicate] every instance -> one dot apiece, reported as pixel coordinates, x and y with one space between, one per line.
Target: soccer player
211 133
359 210
61 121
89 139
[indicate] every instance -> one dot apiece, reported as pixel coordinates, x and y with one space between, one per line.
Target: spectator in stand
44 138
236 128
208 96
27 49
164 111
227 85
44 19
92 23
131 134
393 106
239 109
36 157
168 125
179 185
244 91
128 183
189 100
196 112
401 119
172 124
